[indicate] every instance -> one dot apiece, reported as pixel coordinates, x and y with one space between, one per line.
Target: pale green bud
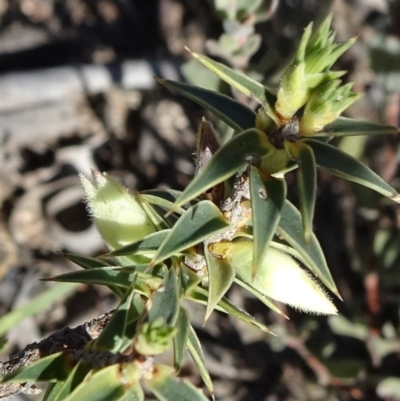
325 105
279 277
118 215
153 338
292 93
264 122
275 162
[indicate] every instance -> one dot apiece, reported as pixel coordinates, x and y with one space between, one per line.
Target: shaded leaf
51 368
343 165
306 182
188 279
233 113
220 276
195 351
267 199
77 375
290 227
167 387
165 301
228 159
111 337
180 340
348 126
194 226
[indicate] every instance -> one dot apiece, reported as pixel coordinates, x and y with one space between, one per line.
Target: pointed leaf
196 352
224 305
194 226
107 384
90 263
55 367
290 227
262 297
52 391
108 276
220 276
306 182
35 305
165 301
111 337
150 243
239 81
166 387
267 199
74 379
188 279
180 340
343 165
233 113
228 159
348 126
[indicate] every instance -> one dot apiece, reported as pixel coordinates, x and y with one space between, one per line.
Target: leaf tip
395 197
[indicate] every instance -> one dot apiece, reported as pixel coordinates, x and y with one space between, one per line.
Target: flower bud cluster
308 77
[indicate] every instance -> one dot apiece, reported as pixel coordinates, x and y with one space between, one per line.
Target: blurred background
77 93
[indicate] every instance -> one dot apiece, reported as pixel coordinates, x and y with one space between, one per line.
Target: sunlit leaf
235 114
167 387
267 199
262 297
306 182
195 225
150 243
290 227
343 165
220 276
239 81
347 126
107 384
195 351
224 305
182 325
229 159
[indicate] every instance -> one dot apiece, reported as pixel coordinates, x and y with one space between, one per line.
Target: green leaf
87 262
182 325
262 297
134 394
197 224
166 387
220 276
112 336
347 126
239 81
188 279
306 182
229 158
74 379
267 199
108 276
196 352
224 305
165 301
35 305
290 227
150 243
51 368
343 165
107 384
235 114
